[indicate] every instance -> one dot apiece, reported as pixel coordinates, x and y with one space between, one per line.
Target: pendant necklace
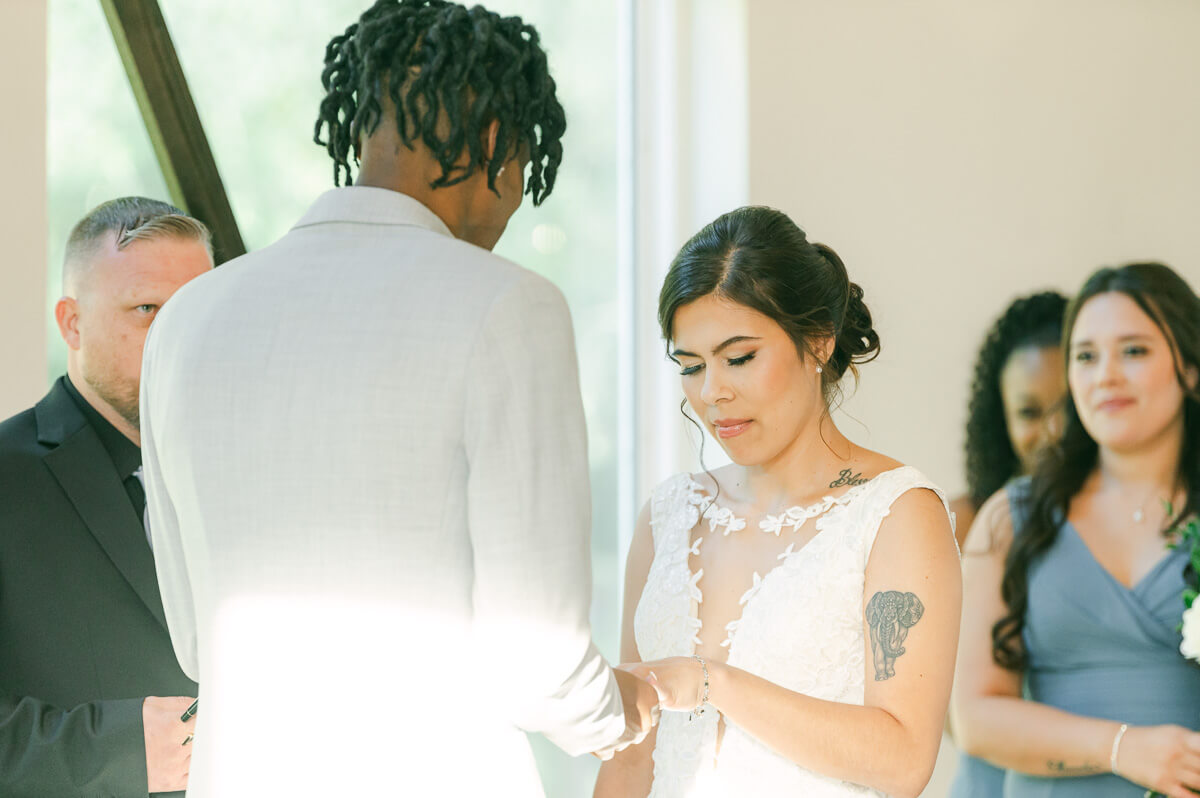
1139 513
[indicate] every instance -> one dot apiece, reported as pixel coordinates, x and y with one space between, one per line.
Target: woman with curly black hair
1015 393
1017 389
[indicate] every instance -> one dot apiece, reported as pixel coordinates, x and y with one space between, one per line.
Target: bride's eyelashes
734 361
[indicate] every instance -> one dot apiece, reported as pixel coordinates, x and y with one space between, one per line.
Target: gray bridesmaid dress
1100 649
977 778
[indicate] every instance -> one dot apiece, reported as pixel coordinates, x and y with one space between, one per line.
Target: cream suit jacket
367 474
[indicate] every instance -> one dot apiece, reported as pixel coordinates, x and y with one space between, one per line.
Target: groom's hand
167 758
641 711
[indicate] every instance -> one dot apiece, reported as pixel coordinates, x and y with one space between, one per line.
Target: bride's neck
803 469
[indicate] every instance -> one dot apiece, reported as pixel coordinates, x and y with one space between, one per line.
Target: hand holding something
679 681
1164 758
641 712
167 758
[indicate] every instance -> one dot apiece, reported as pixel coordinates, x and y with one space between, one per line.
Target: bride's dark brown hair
757 257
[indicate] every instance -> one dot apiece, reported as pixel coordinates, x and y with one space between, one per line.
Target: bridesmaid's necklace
1139 512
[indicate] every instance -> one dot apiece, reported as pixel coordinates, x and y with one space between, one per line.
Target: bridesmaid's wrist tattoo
890 615
1063 769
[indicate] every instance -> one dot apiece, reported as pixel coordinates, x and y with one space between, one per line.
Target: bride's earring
818 369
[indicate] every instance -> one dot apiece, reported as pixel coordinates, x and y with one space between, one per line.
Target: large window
253 67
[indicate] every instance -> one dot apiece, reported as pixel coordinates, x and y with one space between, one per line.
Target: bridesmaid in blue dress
1018 385
1069 671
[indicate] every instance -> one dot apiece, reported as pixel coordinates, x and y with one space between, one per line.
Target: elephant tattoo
889 616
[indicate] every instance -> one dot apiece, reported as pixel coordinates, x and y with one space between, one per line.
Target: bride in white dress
798 610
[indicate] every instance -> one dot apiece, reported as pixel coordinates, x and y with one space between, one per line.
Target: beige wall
957 154
23 205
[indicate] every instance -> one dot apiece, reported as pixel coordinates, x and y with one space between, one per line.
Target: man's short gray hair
130 219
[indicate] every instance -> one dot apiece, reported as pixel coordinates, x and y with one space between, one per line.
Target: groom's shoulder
496 272
504 285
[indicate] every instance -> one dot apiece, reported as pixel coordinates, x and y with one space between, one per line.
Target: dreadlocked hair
1034 320
440 61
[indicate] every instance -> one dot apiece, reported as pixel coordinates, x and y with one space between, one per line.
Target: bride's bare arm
913 597
629 773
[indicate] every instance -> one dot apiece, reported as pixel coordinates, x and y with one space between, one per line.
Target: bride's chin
743 458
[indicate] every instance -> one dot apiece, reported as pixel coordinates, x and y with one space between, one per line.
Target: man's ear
66 313
489 140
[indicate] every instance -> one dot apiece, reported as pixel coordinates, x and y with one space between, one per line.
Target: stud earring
818 369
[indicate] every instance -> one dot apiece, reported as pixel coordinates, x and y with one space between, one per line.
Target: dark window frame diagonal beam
162 94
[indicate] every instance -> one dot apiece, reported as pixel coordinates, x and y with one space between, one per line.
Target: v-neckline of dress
1136 588
698 496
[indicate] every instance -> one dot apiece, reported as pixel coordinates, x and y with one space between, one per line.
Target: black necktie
137 495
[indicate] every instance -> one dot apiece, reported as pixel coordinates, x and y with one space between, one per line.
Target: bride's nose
716 387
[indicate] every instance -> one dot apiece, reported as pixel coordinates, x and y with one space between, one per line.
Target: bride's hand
679 681
641 712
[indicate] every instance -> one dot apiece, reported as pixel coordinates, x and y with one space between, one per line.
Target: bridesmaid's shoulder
991 531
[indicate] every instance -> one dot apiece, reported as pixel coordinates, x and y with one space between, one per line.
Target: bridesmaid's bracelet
699 710
1112 758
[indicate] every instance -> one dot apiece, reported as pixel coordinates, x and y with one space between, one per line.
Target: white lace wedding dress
801 627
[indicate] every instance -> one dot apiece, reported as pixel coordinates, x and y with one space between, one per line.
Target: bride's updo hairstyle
758 257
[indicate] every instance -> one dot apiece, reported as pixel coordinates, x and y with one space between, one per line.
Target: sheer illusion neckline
796 517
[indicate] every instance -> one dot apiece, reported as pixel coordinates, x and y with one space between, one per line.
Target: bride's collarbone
729 489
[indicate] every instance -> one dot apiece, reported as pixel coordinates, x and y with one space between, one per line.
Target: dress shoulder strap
889 486
674 507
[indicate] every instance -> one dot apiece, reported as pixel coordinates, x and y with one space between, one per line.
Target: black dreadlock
1029 321
471 64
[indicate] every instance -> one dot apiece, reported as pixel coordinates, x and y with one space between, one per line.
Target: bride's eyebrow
737 339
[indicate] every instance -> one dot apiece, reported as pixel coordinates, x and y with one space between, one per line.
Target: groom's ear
490 135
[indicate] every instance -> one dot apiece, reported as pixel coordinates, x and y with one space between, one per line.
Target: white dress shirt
367 476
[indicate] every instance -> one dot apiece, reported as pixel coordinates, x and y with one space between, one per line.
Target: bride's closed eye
734 361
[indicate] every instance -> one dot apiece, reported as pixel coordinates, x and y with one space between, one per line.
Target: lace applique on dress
721 516
796 517
800 627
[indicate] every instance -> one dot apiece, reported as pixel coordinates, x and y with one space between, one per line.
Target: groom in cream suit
366 457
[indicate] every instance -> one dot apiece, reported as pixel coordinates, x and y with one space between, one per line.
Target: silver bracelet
699 710
1112 758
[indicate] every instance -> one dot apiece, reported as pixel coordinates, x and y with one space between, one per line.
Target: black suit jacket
83 638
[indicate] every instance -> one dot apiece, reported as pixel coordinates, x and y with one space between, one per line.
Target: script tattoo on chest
889 617
847 478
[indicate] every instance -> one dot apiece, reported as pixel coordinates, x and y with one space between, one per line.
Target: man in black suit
90 690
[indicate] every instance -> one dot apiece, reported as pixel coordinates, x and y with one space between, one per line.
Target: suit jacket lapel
83 468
